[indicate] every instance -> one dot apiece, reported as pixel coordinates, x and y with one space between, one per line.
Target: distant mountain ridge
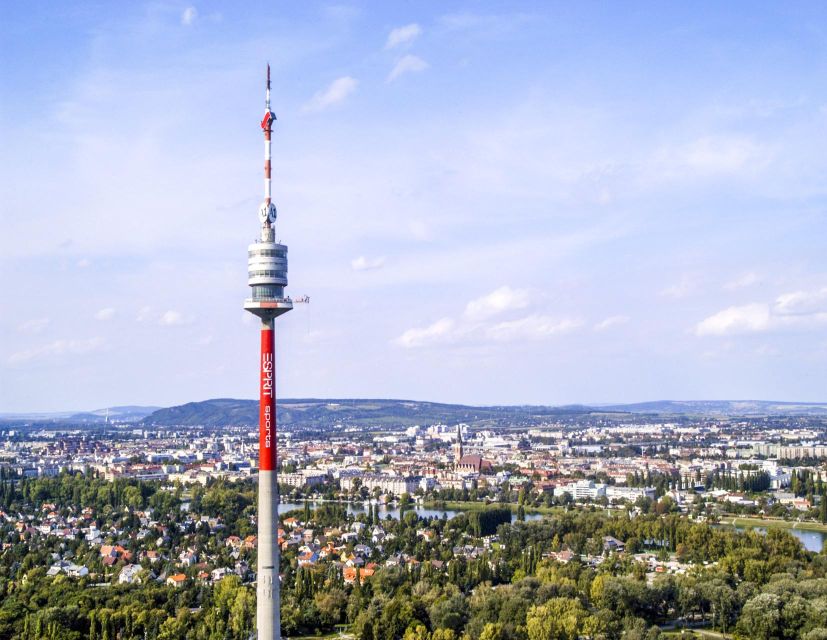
314 412
320 413
722 407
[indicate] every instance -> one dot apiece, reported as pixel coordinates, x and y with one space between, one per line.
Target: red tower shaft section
267 445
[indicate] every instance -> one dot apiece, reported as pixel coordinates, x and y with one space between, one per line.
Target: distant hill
315 413
127 413
217 412
722 407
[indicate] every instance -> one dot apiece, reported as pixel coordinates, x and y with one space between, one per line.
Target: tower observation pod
267 278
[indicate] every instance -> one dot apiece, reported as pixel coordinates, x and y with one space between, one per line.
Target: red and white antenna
267 211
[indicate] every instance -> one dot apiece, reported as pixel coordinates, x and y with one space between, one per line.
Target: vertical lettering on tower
267 407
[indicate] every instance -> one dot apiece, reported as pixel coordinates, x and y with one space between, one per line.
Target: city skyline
553 205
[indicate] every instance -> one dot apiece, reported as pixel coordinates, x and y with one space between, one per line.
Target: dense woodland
757 586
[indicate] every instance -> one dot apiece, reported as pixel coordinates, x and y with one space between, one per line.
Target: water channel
812 540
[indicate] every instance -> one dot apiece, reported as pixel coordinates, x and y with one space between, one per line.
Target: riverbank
772 523
458 505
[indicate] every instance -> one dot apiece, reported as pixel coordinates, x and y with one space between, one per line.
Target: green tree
449 613
443 634
761 618
557 619
416 631
492 631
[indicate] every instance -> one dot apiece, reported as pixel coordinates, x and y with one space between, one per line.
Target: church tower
458 452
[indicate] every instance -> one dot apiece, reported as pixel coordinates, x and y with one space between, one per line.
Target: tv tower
267 276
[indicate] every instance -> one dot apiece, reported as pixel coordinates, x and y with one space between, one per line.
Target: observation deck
267 276
268 307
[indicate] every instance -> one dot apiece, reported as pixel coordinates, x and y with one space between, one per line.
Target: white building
129 574
618 494
303 478
396 485
583 489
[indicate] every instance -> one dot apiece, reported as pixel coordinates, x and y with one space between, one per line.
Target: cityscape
670 507
520 227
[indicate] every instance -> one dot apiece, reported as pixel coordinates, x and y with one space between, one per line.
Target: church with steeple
471 463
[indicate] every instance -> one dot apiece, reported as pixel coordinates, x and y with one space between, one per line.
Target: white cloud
56 348
745 280
496 302
407 64
35 325
366 264
438 331
105 314
173 318
742 319
721 155
800 303
476 324
533 327
611 321
188 16
335 94
403 35
84 262
169 318
797 309
712 155
680 289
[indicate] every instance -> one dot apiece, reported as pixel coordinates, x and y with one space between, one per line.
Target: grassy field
456 505
776 523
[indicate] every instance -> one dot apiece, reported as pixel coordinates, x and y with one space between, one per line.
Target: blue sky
486 202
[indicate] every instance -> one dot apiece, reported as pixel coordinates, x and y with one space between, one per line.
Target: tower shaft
268 615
